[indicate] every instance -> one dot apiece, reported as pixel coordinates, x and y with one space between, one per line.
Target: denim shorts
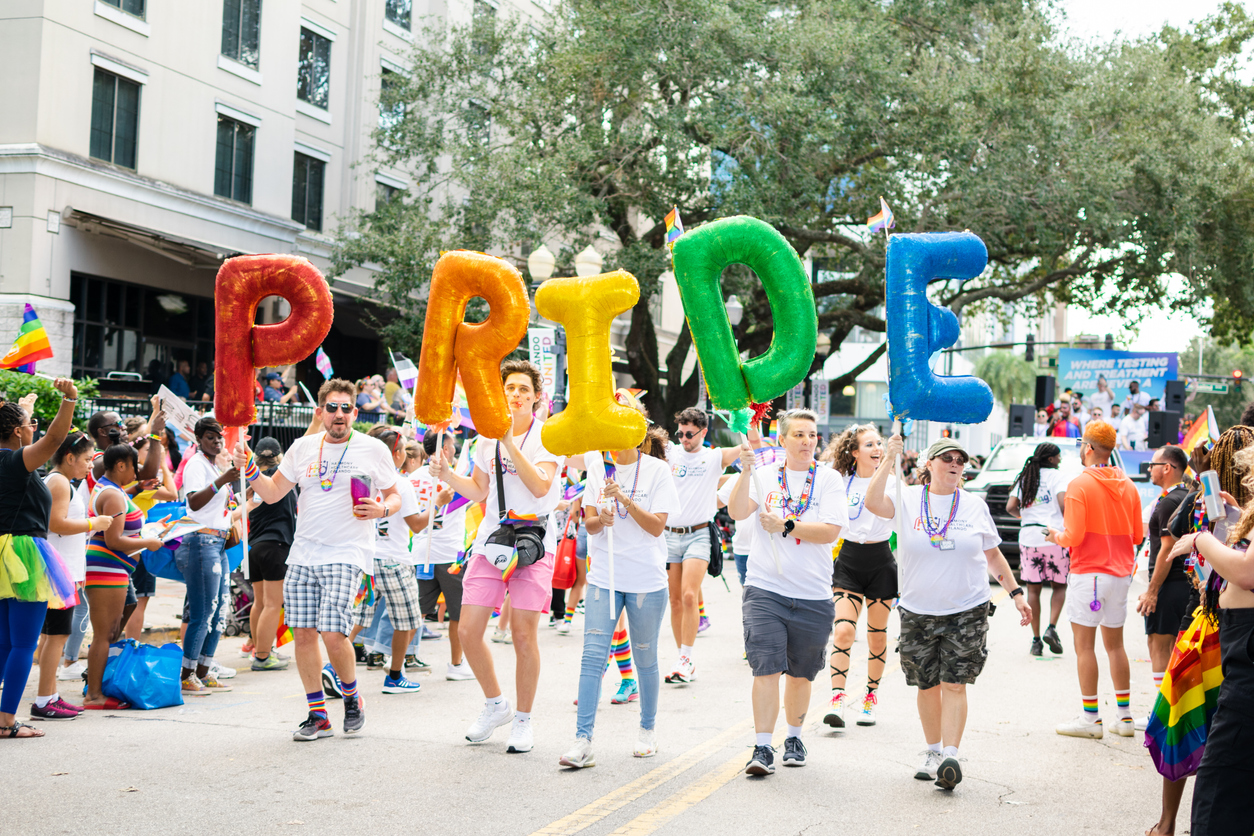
786 635
695 545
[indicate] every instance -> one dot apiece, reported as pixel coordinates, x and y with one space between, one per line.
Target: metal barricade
283 421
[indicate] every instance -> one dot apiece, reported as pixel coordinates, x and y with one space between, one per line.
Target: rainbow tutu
32 570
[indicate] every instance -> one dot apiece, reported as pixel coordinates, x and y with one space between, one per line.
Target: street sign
1212 388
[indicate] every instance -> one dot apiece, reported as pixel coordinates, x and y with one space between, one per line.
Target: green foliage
363 426
1012 379
1219 360
1090 172
13 385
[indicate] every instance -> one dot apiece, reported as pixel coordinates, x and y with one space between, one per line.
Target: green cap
944 446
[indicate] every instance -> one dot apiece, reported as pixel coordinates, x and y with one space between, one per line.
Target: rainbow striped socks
1158 679
1121 705
317 703
1090 708
350 689
570 610
701 609
620 652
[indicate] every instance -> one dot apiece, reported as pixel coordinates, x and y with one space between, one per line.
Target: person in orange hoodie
1102 526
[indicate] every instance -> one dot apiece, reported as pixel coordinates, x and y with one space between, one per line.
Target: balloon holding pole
232 436
757 485
898 514
435 489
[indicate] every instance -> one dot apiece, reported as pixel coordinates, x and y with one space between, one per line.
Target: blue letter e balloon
917 328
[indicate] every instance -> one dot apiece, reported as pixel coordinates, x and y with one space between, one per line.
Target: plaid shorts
398 587
943 648
321 597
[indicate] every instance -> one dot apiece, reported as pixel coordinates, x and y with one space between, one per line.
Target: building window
478 127
131 7
397 11
308 175
114 119
385 194
313 74
391 112
233 174
241 31
482 26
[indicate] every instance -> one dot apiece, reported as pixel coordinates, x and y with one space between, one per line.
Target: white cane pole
435 488
757 484
898 513
609 543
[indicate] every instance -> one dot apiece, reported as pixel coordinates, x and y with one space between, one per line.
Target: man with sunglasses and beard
339 472
695 469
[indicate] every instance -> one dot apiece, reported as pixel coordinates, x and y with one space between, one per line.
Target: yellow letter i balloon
592 420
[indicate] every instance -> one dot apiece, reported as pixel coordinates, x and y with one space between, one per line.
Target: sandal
110 704
12 731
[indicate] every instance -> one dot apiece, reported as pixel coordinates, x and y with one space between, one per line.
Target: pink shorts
530 588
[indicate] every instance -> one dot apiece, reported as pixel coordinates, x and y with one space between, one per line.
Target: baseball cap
944 445
274 376
268 446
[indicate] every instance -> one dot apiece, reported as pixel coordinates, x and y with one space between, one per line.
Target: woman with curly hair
864 569
1036 498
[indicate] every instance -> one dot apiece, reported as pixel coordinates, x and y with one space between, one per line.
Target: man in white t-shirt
696 470
1135 396
1134 429
1103 397
339 471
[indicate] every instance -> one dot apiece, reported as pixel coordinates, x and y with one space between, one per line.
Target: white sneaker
1124 727
502 637
521 738
685 671
646 744
1081 727
563 627
459 673
836 711
73 673
490 719
931 762
866 717
578 756
1141 723
221 671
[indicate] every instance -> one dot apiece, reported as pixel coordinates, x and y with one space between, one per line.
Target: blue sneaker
628 691
331 682
400 685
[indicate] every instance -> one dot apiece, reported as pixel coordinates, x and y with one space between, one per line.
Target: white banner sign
542 347
819 398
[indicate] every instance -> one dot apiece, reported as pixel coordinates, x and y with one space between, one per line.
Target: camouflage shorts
943 648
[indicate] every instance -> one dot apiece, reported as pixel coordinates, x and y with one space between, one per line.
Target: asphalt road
227 764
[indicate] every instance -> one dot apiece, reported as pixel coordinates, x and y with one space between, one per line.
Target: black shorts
866 569
1171 609
143 581
1227 767
429 592
58 622
786 635
267 561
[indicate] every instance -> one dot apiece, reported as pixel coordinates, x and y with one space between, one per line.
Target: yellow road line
632 791
651 820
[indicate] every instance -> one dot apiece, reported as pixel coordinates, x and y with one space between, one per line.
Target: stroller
240 607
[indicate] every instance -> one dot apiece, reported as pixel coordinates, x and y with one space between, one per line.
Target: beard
339 431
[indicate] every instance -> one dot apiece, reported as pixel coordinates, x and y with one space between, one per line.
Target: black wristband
1018 590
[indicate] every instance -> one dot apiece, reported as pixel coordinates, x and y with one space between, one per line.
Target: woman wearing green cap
947 546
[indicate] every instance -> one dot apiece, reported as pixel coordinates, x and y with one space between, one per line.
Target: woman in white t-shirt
531 488
864 570
787 608
631 506
947 545
1036 498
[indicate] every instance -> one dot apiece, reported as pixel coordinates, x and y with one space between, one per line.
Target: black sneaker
354 716
948 774
794 752
374 661
314 727
762 762
1051 639
413 663
1038 649
359 650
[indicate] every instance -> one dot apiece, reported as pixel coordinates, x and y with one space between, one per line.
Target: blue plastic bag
143 675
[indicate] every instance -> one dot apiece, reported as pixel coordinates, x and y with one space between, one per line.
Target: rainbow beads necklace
324 465
937 535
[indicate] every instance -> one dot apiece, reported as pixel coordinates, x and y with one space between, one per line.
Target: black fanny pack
514 543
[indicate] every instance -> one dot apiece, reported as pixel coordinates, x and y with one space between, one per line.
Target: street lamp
588 262
735 311
541 264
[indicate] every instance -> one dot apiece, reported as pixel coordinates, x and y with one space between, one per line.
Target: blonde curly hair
839 451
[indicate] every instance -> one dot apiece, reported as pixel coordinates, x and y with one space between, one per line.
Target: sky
1089 20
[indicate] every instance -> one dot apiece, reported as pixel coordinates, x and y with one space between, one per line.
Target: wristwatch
1018 590
789 525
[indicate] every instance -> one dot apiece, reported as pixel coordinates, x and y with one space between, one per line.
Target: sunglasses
34 424
688 434
332 407
950 458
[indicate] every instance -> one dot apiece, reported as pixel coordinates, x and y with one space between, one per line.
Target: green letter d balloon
700 258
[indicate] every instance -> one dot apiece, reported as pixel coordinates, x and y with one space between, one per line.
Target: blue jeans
742 566
78 629
203 562
644 620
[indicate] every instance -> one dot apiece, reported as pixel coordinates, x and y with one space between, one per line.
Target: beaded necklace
794 510
861 502
635 480
937 535
323 466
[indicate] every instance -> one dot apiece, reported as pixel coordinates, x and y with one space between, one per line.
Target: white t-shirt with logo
391 545
807 567
742 531
639 557
518 497
1134 431
72 547
1102 400
696 481
865 527
450 526
938 581
326 530
1044 512
198 474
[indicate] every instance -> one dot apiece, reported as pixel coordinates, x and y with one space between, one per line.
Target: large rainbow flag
1204 428
1180 721
31 344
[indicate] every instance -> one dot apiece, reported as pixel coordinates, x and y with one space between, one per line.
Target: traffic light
1236 376
1030 353
947 433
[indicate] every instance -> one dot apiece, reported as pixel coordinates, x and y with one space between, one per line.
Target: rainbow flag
883 220
323 362
1180 721
31 344
674 227
284 634
1203 429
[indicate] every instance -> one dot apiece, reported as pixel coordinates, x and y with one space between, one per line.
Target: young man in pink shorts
530 487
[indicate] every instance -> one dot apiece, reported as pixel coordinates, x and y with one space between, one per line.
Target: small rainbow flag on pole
323 362
31 344
284 634
1205 428
883 220
674 226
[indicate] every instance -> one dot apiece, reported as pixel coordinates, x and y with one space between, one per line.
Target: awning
185 251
